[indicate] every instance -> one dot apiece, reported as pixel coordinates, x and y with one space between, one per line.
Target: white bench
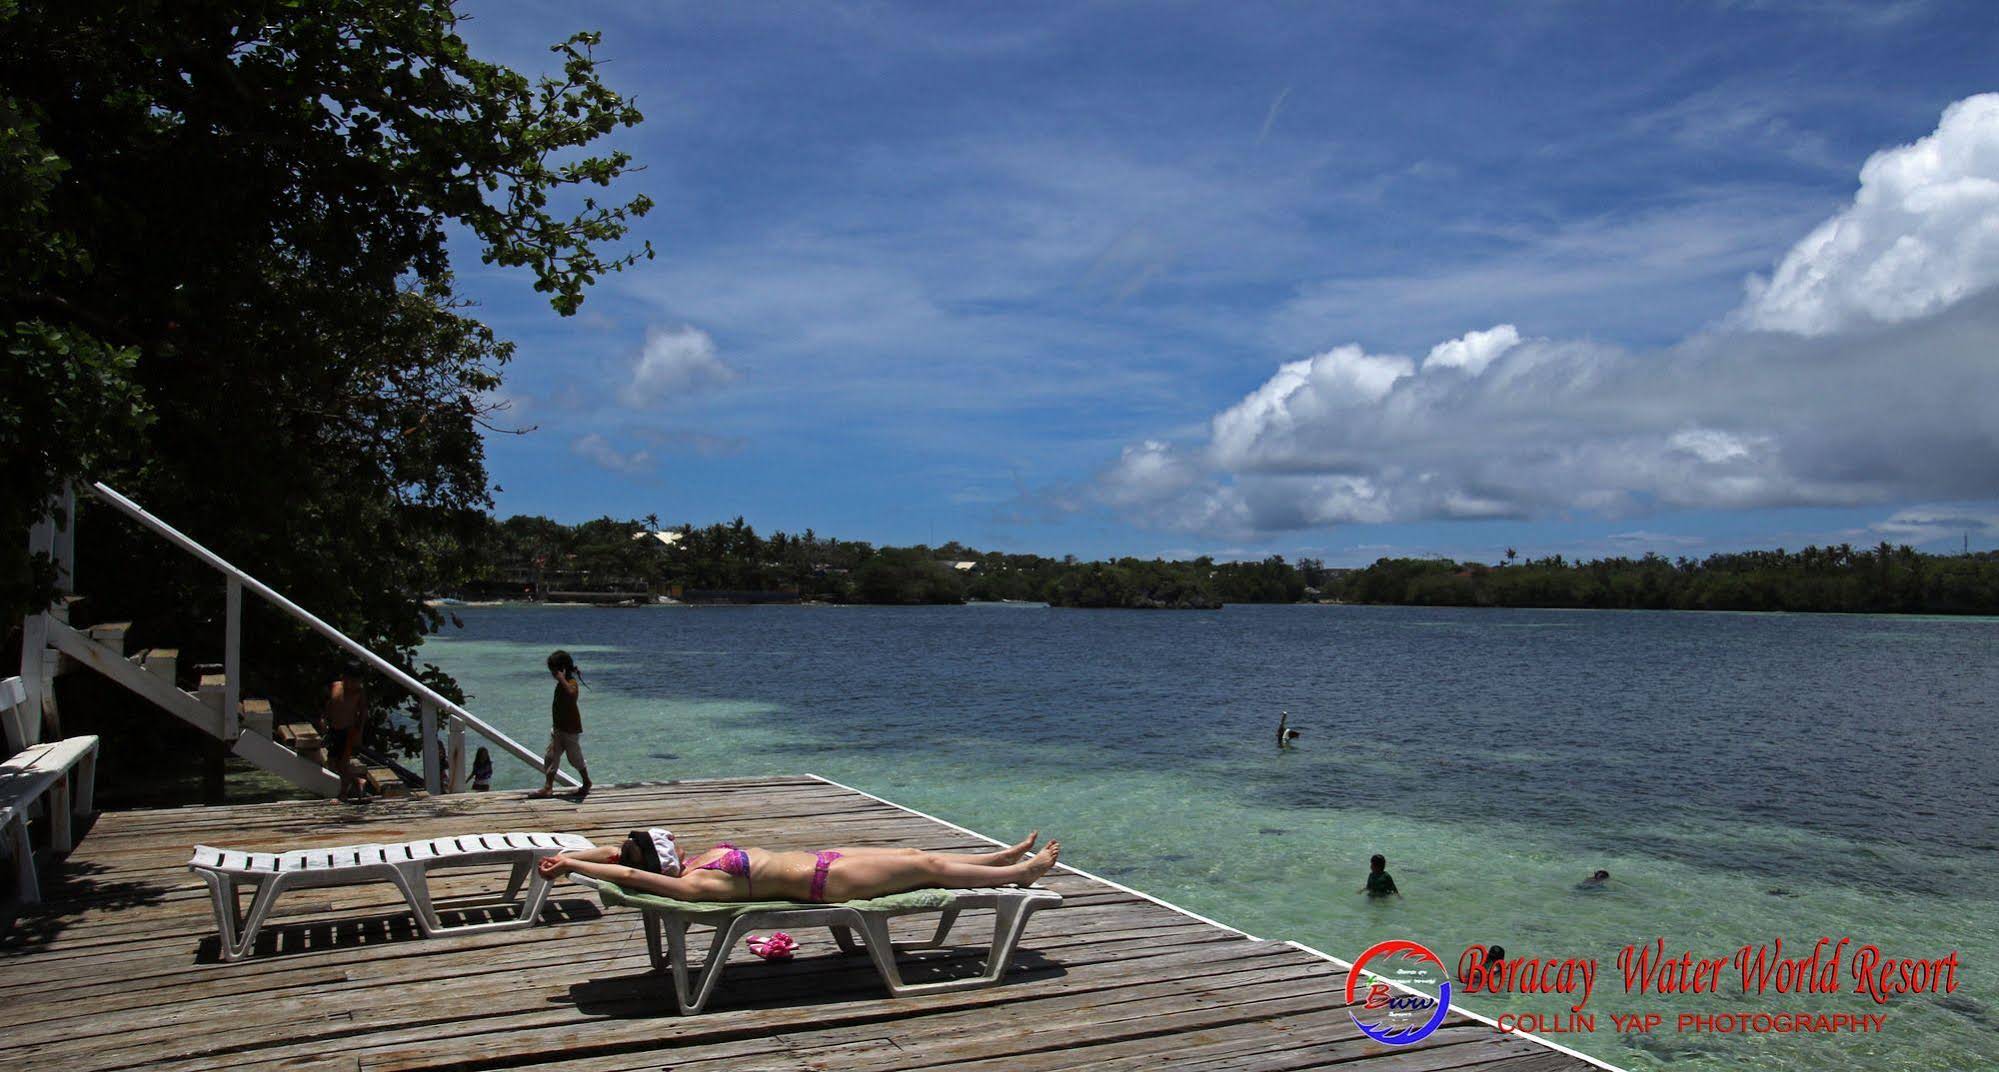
66 772
407 865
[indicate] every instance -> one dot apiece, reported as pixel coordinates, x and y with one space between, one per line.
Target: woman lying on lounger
649 861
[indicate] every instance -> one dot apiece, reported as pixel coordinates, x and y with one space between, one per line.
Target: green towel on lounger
613 894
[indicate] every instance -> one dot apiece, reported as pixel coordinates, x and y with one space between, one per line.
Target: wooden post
64 549
35 679
214 769
433 780
214 751
456 783
232 661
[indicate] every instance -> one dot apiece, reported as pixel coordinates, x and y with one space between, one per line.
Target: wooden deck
118 969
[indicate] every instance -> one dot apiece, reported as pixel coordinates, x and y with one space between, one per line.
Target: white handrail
354 647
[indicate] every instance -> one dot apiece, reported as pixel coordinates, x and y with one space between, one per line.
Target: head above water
561 662
1377 862
1600 876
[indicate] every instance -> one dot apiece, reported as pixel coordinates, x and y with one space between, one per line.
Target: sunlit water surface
1743 777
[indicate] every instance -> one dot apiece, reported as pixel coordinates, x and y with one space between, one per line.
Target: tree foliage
241 215
1882 579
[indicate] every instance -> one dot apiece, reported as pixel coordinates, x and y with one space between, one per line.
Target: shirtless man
346 712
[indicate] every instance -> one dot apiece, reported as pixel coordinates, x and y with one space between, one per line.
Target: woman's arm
602 854
630 878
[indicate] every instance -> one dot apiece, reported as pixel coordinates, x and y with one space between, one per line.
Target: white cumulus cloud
1921 234
675 361
1474 350
1861 372
1304 395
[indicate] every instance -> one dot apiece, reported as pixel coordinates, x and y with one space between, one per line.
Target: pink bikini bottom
825 860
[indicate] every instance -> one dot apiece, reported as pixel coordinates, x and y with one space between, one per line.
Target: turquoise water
1743 777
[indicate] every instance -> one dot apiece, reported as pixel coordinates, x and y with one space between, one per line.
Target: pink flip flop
776 947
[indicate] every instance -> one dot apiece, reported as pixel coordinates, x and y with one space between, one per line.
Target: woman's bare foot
1043 862
1012 853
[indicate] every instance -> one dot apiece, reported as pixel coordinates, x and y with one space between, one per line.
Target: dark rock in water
1966 1008
1172 858
1665 1049
1779 891
662 755
1271 830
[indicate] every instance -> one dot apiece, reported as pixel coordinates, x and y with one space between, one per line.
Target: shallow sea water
1743 777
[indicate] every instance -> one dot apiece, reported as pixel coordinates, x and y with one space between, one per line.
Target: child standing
482 770
1379 882
565 738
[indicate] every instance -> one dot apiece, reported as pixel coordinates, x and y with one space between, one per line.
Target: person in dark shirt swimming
1379 882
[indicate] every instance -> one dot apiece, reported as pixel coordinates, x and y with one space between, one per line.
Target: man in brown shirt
566 738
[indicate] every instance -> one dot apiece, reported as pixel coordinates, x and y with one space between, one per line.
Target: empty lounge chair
407 865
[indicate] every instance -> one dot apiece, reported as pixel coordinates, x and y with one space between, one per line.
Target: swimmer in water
1379 882
1285 734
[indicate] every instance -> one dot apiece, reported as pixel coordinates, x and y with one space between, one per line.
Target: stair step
110 634
303 771
162 661
255 714
387 782
64 607
299 736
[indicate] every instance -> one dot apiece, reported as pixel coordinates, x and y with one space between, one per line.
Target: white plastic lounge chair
733 921
63 771
407 865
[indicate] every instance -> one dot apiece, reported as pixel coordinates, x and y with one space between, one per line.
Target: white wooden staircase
292 749
153 675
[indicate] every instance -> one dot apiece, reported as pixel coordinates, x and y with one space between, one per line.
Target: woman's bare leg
880 874
997 858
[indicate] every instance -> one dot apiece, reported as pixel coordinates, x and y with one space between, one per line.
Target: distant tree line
731 558
527 554
1882 579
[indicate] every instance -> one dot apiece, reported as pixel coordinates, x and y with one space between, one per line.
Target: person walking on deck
566 736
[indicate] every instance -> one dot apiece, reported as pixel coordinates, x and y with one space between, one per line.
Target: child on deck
482 770
566 736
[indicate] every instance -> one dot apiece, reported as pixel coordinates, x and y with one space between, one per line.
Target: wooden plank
117 971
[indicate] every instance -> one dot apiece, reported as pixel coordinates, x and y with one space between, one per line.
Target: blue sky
1031 277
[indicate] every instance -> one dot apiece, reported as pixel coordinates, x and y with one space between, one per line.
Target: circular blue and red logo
1395 1016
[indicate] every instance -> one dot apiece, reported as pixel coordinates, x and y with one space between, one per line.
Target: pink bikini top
733 862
